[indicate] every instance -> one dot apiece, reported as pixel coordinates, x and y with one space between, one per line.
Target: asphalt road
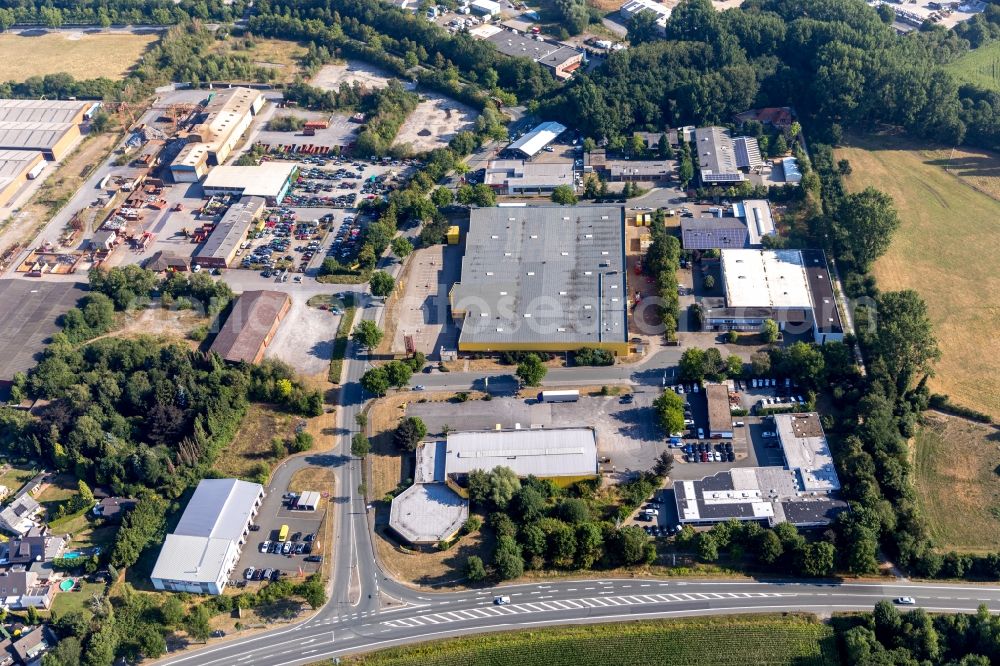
344 628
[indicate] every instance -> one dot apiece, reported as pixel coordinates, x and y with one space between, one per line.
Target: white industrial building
631 8
757 215
269 180
515 177
792 287
534 141
201 553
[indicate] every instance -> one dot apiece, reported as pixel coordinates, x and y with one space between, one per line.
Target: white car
905 601
695 388
501 601
688 422
418 387
701 433
738 424
196 268
680 388
753 383
767 434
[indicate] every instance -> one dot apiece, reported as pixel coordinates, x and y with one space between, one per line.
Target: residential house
113 509
18 516
21 589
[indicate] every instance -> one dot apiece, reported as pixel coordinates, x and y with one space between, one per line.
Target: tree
401 247
141 526
368 334
398 373
531 371
409 432
734 366
664 464
196 623
779 147
442 197
770 331
669 408
101 647
527 504
574 510
903 336
172 612
630 543
475 570
507 560
867 222
817 559
375 381
760 364
503 484
381 284
31 618
692 365
564 195
589 145
67 652
707 546
769 547
360 445
709 282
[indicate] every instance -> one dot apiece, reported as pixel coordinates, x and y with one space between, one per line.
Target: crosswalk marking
467 614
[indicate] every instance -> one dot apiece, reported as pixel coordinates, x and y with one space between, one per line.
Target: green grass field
945 249
766 640
979 67
955 467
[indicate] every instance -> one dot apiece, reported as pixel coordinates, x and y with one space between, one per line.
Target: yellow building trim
619 348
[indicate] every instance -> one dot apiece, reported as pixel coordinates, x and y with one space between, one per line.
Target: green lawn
979 67
15 477
69 601
765 640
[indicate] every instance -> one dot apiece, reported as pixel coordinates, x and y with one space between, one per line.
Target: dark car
627 398
297 536
314 558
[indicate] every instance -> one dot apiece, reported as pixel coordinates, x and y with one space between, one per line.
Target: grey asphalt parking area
271 517
305 338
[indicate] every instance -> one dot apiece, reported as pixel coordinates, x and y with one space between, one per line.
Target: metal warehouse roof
544 452
538 138
220 509
192 559
31 135
248 325
544 274
41 110
806 450
716 155
232 228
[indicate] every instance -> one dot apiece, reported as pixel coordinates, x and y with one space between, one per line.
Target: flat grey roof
824 300
806 450
30 310
231 229
522 46
192 559
543 452
544 274
716 155
428 513
519 174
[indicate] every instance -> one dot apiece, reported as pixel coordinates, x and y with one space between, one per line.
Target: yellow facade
618 348
453 235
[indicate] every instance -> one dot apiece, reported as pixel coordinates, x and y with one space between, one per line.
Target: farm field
955 463
979 67
84 56
723 641
946 249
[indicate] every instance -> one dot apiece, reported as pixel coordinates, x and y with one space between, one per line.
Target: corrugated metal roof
544 274
538 138
220 509
193 559
248 325
232 228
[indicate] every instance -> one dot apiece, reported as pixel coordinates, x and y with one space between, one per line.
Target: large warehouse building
220 248
802 492
251 325
546 278
791 287
51 127
515 177
201 553
17 167
433 510
226 117
534 141
560 59
269 180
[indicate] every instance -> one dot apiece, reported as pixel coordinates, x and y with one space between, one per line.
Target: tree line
857 73
56 13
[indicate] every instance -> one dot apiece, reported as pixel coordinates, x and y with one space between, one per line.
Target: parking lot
304 542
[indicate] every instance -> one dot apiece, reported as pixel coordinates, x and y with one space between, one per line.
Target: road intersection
367 610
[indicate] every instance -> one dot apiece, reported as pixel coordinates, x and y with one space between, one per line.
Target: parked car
314 558
248 574
286 548
265 546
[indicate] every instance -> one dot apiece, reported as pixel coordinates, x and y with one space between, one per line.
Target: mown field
85 56
947 249
956 464
719 641
979 67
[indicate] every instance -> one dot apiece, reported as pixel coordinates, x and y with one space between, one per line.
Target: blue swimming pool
72 555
